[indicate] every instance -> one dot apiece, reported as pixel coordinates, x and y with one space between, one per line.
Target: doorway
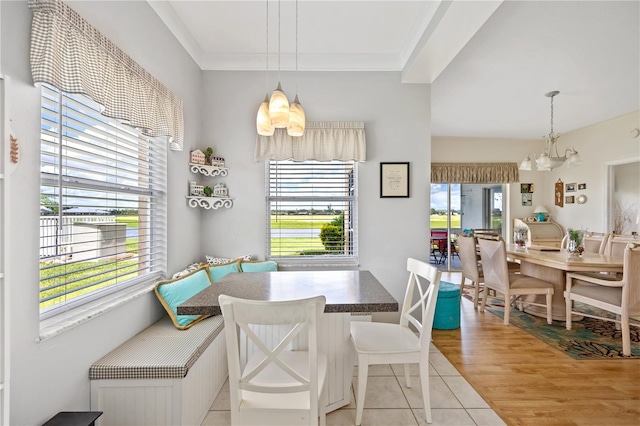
459 207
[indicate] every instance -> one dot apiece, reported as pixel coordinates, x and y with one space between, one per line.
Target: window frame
149 167
344 260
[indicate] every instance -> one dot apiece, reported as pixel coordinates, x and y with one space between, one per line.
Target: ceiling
489 62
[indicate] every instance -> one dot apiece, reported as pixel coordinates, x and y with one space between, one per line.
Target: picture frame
570 187
394 180
526 188
569 199
582 186
527 199
559 193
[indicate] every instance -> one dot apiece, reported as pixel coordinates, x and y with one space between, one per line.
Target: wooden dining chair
608 292
275 385
618 243
385 343
470 264
497 277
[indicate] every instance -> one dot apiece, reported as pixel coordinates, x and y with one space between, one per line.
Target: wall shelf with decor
210 203
206 170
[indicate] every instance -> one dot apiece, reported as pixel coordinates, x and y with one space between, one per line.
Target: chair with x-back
385 343
277 384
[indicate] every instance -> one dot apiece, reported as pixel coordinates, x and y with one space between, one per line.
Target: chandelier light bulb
279 108
263 121
296 119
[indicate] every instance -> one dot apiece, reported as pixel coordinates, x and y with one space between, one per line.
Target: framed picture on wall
526 188
559 193
527 199
569 199
582 186
394 180
570 187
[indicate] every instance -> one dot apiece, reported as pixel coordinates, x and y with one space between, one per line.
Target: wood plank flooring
529 383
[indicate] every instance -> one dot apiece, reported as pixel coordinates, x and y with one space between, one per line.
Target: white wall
397 122
52 376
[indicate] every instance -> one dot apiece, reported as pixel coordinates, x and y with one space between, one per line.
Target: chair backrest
495 270
303 315
468 258
595 242
425 280
617 243
631 275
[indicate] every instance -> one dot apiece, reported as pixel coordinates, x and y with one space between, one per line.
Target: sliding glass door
458 207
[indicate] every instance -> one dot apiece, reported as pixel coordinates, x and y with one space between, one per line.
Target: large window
102 203
312 210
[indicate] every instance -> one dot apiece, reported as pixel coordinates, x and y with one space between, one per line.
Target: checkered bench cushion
160 351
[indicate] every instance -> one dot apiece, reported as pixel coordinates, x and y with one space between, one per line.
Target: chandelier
276 112
550 159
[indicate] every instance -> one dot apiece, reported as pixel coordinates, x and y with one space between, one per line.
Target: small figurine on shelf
197 157
220 190
207 155
217 161
208 191
196 190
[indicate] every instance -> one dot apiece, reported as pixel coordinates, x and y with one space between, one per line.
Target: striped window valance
321 141
70 54
474 173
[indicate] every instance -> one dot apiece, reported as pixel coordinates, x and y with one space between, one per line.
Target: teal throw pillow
172 293
217 272
266 266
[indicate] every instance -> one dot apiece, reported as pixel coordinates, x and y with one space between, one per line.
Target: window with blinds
102 203
312 210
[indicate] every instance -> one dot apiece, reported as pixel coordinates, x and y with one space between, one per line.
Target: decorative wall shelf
210 202
208 170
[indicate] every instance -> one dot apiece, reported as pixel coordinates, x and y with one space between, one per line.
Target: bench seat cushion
158 352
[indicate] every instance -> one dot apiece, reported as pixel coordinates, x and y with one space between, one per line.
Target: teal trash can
447 316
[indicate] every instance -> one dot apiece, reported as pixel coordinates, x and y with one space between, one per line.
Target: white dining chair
470 264
385 343
278 384
497 277
607 292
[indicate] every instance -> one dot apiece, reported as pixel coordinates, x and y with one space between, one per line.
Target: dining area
596 277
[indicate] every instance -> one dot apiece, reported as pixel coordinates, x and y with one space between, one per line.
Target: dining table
552 264
346 292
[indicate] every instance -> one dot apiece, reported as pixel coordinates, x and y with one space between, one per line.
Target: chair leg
549 319
322 409
407 378
363 371
507 308
626 336
426 396
485 295
476 296
568 309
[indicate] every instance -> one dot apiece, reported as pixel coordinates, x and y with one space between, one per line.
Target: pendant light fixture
263 121
279 104
296 112
550 159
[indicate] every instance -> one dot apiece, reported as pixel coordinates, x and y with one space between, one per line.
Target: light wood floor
527 382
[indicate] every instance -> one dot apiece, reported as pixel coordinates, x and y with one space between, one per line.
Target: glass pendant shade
574 159
525 165
296 119
543 163
279 108
263 122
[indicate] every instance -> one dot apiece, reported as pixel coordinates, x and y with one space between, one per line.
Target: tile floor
389 402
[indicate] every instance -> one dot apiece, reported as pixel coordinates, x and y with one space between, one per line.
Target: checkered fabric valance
474 173
70 54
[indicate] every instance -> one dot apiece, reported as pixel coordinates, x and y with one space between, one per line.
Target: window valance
474 173
321 141
70 54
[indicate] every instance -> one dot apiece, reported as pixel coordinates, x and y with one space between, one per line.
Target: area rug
588 338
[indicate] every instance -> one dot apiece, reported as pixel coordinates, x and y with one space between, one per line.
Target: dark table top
346 291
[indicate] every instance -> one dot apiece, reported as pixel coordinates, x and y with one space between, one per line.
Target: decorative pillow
172 293
220 260
218 271
259 266
186 270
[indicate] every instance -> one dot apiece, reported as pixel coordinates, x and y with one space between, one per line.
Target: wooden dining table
346 292
552 264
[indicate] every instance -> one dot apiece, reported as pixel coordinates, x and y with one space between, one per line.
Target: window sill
72 318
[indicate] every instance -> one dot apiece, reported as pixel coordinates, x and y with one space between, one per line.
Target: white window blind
312 210
103 203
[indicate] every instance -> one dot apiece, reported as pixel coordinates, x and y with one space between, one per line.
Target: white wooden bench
161 376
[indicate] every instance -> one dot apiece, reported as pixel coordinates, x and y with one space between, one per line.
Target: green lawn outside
300 221
131 221
293 246
440 221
